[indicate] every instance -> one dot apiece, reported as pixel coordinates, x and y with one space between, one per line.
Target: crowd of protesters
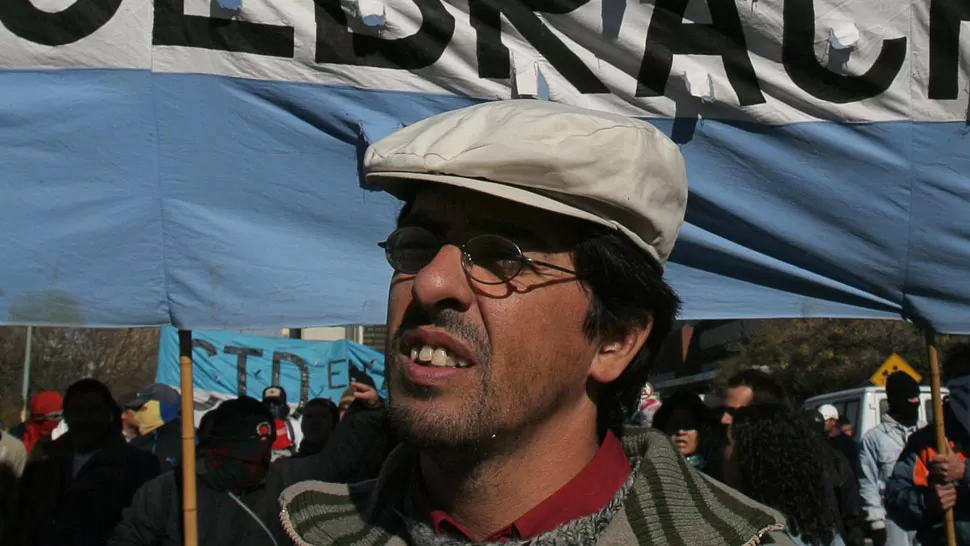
510 384
85 470
890 486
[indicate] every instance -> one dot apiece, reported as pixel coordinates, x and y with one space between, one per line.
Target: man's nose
443 282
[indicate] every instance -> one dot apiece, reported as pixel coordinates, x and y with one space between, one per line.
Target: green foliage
817 356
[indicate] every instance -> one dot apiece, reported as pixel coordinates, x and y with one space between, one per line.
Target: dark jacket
358 446
846 488
354 453
165 443
155 516
908 488
847 446
55 510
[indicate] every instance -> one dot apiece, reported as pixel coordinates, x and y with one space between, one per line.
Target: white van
863 407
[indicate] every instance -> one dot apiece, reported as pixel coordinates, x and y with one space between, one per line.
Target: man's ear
613 357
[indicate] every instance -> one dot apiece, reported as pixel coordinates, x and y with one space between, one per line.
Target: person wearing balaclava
45 415
156 414
289 433
925 483
878 452
234 509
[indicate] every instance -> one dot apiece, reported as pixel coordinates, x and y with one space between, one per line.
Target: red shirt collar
588 492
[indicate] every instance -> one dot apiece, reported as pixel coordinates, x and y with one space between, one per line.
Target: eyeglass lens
489 259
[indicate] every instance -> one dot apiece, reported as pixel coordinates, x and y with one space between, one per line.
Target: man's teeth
437 357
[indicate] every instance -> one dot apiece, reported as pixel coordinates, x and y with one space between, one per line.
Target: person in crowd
288 431
355 452
320 416
841 480
45 415
13 454
363 440
129 424
13 457
156 412
846 445
878 453
749 387
361 389
650 404
846 427
695 430
775 459
925 483
233 458
526 305
74 488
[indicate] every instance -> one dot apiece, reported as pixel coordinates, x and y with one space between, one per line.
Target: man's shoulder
319 513
665 479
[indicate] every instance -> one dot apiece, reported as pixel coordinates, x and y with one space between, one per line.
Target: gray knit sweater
665 501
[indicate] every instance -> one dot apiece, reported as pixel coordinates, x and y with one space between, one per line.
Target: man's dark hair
627 289
89 385
764 388
957 363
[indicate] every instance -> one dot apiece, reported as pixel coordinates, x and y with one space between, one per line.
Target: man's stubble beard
426 428
489 420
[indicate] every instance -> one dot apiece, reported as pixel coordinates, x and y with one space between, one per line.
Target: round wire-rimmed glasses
488 259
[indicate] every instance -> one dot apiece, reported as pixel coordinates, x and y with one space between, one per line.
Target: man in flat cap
527 303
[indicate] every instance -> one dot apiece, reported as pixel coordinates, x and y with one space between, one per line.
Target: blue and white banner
227 364
195 162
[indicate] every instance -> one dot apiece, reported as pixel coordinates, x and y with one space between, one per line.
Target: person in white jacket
878 453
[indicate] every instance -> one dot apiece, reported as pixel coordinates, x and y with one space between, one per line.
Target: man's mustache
450 321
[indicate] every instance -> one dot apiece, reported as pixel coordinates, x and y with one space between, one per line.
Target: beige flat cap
612 170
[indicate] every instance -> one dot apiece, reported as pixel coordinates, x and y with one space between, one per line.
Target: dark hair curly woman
774 459
694 429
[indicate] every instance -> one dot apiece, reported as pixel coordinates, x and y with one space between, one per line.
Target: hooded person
46 409
924 483
233 458
156 414
320 417
289 434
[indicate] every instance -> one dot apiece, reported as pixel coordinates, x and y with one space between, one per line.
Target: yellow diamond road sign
893 364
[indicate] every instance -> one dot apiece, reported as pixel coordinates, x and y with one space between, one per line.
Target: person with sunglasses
526 304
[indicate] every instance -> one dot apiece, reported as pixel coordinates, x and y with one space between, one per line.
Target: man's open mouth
436 357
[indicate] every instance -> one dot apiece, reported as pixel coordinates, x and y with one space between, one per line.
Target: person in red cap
45 414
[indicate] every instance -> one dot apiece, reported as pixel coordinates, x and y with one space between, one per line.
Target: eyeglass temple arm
549 265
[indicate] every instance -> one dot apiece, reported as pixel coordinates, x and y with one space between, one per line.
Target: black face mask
278 409
904 411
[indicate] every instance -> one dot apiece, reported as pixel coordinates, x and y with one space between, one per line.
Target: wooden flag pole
190 534
942 446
